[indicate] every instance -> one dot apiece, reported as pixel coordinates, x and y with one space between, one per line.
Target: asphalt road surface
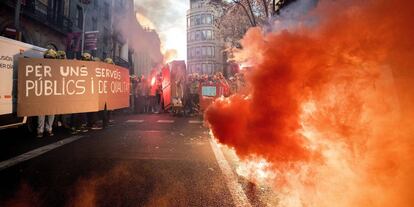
142 160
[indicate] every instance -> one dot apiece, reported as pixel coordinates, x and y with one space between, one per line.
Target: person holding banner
64 118
91 116
42 122
106 114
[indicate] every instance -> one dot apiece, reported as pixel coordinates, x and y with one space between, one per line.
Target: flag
73 41
91 40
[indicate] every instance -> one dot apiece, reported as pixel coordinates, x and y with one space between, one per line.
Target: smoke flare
330 105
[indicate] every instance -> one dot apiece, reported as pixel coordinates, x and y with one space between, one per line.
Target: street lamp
84 10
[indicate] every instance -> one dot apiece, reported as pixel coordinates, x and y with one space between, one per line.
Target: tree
235 17
261 11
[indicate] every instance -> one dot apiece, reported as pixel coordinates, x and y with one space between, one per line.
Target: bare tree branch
266 8
251 19
252 13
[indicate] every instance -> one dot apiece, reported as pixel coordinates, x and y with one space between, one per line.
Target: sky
168 18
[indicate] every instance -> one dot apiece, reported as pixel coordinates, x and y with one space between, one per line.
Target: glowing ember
330 108
152 81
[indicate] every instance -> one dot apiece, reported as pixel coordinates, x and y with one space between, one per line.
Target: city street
142 160
206 103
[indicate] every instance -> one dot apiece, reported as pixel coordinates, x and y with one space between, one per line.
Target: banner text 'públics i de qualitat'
49 86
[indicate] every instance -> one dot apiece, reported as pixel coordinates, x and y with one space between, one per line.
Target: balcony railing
121 62
40 12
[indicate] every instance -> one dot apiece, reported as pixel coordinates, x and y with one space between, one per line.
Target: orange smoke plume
170 55
330 105
145 21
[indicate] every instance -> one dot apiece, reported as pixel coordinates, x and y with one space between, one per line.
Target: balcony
40 12
121 62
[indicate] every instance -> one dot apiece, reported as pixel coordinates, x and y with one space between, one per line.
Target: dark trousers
77 120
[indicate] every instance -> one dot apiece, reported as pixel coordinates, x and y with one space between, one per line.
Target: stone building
204 47
143 45
98 17
42 23
48 23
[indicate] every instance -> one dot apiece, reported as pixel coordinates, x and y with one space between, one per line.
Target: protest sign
48 86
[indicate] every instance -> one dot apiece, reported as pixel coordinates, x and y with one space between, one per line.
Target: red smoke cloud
330 105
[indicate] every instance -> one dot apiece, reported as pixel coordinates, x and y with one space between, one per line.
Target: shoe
39 135
50 134
96 128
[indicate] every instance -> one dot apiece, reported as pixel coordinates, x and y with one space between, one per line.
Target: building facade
43 23
204 46
98 17
49 23
147 56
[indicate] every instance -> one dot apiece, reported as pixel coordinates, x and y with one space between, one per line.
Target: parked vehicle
10 52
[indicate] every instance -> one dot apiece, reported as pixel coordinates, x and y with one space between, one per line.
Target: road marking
165 121
236 191
36 152
195 122
134 121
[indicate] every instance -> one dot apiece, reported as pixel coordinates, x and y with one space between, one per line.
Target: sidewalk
16 141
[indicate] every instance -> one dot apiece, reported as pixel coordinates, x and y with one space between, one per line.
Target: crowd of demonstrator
73 123
148 96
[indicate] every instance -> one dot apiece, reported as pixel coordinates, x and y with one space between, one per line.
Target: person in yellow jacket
42 122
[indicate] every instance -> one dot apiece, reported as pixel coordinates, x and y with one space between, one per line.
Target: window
209 19
204 51
66 8
204 68
198 51
210 68
203 19
95 3
192 36
198 35
198 19
94 24
79 16
192 21
209 52
204 35
106 10
209 35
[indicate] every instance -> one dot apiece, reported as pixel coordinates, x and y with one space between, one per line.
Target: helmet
96 59
196 76
50 53
61 54
86 56
109 60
